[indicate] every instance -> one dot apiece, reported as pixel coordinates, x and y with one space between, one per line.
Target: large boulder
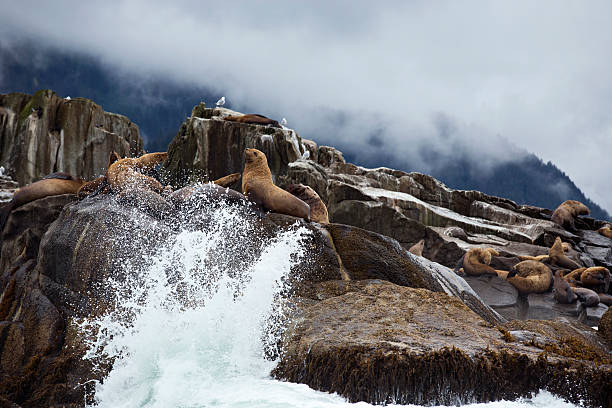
43 133
381 343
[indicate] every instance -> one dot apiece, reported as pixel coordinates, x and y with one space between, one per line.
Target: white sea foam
189 324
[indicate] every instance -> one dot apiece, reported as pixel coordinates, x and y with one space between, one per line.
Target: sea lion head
254 156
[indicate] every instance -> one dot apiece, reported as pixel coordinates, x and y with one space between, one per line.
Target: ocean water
192 325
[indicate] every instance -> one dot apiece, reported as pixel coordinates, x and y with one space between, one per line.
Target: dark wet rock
605 326
543 306
377 342
594 314
494 291
74 136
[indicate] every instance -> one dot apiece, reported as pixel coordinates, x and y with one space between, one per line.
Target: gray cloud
443 74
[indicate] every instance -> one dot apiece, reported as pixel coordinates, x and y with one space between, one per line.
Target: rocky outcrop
57 255
208 147
405 206
370 320
43 133
378 342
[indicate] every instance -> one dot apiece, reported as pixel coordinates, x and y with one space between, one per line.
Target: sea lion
562 291
596 277
530 277
40 189
126 173
587 296
558 257
417 249
456 232
605 298
318 209
258 187
566 212
228 180
539 258
573 277
476 261
253 119
606 231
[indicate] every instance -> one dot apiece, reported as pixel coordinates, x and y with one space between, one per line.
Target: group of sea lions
534 274
129 179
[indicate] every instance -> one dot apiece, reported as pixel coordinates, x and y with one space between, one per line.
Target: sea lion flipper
150 160
459 264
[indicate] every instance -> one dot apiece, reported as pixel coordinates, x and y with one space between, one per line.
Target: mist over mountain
159 105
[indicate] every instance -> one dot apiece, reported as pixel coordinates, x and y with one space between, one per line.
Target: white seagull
67 98
221 102
284 122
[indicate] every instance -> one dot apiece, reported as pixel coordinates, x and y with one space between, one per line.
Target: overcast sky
535 73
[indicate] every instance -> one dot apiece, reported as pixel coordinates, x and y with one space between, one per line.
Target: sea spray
188 318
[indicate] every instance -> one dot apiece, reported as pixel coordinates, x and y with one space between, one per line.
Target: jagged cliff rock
208 147
43 133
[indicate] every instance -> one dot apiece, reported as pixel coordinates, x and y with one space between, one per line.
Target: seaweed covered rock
381 343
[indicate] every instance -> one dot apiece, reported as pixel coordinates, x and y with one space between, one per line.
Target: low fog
487 79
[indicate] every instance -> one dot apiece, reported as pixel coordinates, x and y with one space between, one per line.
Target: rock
494 291
380 343
594 314
605 326
543 306
194 154
43 133
57 258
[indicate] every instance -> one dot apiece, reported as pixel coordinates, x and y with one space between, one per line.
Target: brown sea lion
258 187
558 257
228 180
596 277
476 261
562 290
539 258
573 277
125 173
530 277
564 214
318 209
587 296
606 231
254 119
40 189
417 249
605 298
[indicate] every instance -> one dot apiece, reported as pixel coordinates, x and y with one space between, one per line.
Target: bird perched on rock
67 98
221 102
284 122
